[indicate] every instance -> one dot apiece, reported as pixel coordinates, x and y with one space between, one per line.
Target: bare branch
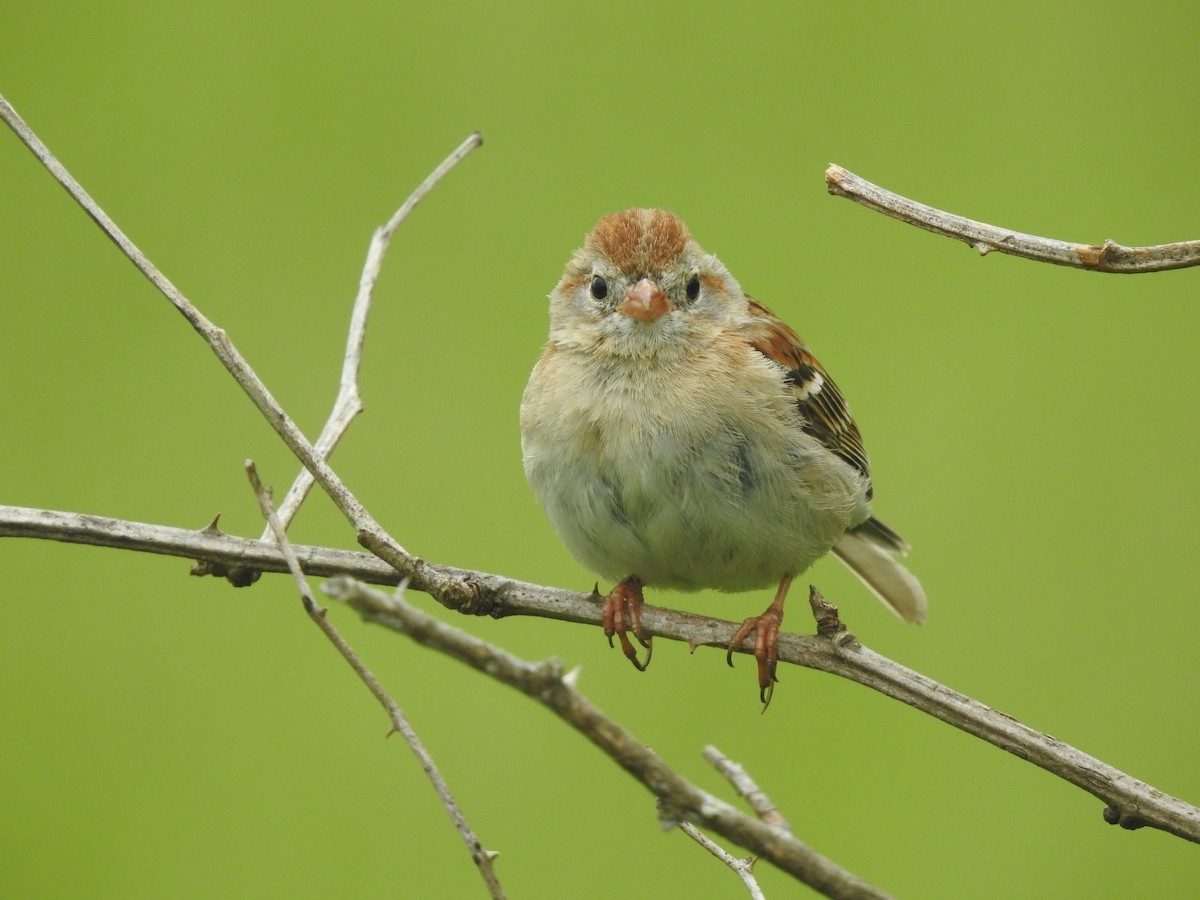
1129 802
746 787
400 724
348 404
759 802
370 533
1106 257
210 545
743 868
314 460
679 799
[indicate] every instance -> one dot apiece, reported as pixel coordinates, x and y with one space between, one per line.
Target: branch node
238 576
469 598
669 815
829 625
551 671
1114 815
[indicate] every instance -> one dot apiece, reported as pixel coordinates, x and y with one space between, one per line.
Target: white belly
705 492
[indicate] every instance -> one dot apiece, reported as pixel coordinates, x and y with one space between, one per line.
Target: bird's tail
869 550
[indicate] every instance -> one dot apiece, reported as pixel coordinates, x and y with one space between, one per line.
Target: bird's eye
599 288
693 287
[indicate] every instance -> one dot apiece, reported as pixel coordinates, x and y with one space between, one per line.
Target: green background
1032 428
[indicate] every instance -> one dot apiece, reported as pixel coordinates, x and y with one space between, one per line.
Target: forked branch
1128 802
678 799
348 403
481 857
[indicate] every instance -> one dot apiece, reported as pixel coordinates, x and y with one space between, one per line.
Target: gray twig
1128 802
679 800
1107 257
370 533
348 404
743 868
747 787
400 724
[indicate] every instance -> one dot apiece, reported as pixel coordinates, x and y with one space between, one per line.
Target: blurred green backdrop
1033 431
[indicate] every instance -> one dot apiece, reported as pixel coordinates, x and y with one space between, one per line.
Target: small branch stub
1115 816
829 625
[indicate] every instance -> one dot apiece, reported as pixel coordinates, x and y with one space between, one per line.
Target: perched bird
679 435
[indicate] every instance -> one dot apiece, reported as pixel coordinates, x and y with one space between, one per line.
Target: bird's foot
622 615
765 628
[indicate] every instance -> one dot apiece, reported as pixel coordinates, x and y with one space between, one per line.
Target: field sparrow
680 435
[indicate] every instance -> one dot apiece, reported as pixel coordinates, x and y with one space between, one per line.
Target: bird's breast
686 477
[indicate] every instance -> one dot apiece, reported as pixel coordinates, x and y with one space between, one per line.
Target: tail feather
869 551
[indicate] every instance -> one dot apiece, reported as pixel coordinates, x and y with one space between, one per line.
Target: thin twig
746 787
1107 257
1128 801
743 868
400 724
216 550
348 403
215 337
1132 803
679 799
346 406
370 533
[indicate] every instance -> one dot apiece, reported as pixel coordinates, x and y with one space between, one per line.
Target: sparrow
680 435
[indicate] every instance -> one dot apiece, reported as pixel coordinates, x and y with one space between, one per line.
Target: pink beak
645 301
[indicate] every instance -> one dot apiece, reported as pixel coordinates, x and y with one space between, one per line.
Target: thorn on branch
238 576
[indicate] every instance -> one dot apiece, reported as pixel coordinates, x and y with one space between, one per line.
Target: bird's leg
622 614
766 641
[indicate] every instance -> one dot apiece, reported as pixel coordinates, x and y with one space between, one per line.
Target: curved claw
738 636
765 651
764 695
623 614
631 652
766 642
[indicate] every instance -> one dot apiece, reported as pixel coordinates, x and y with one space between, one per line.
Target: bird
679 435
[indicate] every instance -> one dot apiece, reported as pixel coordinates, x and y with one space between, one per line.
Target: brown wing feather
822 406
